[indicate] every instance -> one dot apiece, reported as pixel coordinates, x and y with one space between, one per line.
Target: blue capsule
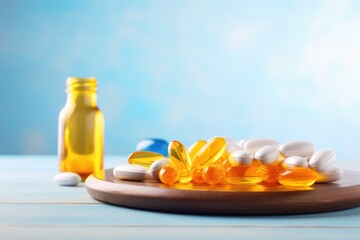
153 145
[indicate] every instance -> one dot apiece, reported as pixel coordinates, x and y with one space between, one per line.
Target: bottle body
81 129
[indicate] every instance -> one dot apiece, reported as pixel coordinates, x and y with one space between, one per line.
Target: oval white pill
131 172
297 148
232 148
267 154
255 144
67 179
240 157
322 159
331 174
241 143
295 161
230 141
155 168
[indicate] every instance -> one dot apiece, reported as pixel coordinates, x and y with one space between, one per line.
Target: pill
242 143
193 149
230 141
144 158
213 174
297 177
242 174
208 154
330 174
67 179
295 161
168 175
240 157
267 154
322 159
255 144
153 145
131 172
155 168
232 148
297 148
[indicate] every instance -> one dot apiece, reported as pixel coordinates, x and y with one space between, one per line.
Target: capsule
209 153
297 177
213 174
244 174
180 159
197 176
144 158
168 175
194 149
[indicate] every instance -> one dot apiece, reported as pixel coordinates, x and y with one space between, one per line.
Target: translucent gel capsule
297 177
209 153
213 174
272 172
242 174
197 176
144 158
180 159
193 149
168 175
179 156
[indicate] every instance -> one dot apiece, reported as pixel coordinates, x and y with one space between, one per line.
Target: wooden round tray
226 199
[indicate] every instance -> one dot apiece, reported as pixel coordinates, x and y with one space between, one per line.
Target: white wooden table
32 206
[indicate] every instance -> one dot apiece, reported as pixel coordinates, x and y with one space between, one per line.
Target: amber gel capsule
81 129
194 149
209 153
180 159
168 175
144 158
213 174
297 177
244 174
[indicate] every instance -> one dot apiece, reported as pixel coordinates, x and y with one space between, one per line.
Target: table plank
103 215
174 233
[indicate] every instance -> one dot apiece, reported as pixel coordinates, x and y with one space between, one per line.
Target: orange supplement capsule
272 172
197 176
168 175
213 174
144 158
243 174
193 149
297 177
209 153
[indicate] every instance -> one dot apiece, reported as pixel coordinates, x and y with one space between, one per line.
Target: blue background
183 70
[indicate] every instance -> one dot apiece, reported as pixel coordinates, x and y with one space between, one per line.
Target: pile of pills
225 161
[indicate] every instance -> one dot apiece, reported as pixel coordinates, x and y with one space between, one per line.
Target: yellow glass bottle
81 129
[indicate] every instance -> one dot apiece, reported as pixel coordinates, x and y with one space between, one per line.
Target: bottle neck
82 98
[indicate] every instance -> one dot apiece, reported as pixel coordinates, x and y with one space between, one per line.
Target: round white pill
156 166
330 174
297 148
67 179
267 154
240 157
253 145
131 172
295 161
322 159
